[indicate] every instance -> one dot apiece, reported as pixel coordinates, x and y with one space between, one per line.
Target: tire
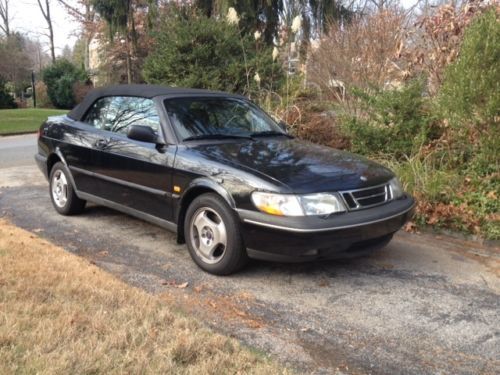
213 236
62 193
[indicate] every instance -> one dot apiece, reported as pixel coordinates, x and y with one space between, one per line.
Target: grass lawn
24 120
60 314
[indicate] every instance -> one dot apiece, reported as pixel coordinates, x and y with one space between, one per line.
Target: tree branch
4 15
72 9
42 10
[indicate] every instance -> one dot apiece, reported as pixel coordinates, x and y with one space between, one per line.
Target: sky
28 20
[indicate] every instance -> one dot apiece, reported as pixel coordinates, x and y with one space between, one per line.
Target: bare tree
5 17
382 5
37 57
48 18
361 54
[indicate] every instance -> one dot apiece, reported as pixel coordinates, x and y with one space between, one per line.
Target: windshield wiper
270 133
215 136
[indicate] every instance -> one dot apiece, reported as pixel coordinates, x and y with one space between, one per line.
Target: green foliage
15 62
202 52
424 176
115 12
252 14
469 99
448 160
448 198
393 122
78 53
60 78
42 98
6 100
486 156
267 15
471 89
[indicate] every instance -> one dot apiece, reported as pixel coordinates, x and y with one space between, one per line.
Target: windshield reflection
199 118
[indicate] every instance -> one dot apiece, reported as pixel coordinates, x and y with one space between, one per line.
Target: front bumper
279 238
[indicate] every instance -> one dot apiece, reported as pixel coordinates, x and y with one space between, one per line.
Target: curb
18 133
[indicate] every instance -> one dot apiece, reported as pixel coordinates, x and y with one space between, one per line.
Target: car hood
303 166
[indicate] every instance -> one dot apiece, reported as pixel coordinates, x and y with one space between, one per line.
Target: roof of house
142 91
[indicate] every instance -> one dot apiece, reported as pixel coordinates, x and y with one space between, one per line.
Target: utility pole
33 91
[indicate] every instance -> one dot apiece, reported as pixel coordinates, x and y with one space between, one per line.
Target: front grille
367 197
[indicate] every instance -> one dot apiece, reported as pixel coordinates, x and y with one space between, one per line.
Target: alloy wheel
59 188
208 235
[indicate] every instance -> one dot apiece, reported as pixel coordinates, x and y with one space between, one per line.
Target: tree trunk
52 48
128 59
86 53
48 18
51 32
88 37
131 42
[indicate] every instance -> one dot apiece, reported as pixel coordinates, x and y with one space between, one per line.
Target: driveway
426 304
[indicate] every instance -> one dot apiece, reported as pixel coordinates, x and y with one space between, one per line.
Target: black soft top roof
142 91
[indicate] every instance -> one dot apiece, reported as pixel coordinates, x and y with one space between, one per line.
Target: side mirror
283 125
142 133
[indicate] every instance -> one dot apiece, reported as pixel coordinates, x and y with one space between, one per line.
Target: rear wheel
62 193
213 236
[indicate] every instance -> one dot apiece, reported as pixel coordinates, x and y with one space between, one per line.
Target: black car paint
139 178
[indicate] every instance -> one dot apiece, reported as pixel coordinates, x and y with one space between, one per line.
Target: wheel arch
55 157
51 160
195 189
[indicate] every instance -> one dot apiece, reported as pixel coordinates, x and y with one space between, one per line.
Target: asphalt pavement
17 150
426 304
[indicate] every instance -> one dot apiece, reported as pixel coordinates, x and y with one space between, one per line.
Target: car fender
208 183
58 152
204 183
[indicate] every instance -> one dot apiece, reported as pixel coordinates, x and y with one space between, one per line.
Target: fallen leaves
175 284
410 227
198 288
448 215
492 195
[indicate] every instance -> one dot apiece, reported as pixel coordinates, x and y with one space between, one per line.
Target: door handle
101 143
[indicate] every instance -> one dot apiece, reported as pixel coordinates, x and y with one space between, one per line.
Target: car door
130 173
80 142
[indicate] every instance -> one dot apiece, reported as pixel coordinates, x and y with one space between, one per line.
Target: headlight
396 188
321 204
277 204
297 205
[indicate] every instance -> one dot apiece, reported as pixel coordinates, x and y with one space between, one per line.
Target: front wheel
213 236
62 193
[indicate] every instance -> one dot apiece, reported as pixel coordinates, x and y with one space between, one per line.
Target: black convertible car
221 173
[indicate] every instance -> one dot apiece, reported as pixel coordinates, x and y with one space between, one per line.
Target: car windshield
224 118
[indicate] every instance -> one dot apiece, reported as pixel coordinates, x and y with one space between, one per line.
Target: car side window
98 114
118 113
